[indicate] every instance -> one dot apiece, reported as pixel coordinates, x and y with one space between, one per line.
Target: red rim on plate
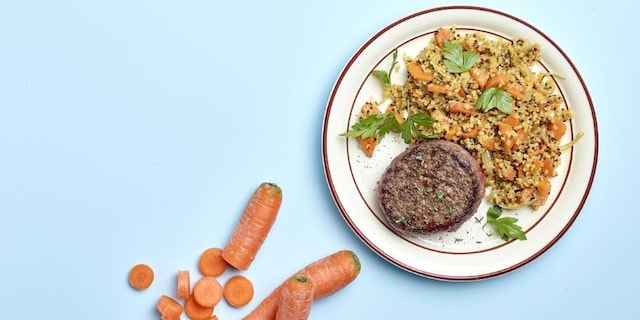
354 194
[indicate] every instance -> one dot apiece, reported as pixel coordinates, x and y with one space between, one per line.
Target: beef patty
432 186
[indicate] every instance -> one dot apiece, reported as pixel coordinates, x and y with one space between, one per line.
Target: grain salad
484 94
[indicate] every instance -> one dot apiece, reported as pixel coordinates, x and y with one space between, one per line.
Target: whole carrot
254 225
296 299
328 275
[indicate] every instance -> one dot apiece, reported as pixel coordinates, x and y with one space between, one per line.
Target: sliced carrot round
169 308
141 276
207 292
238 291
184 284
196 311
211 263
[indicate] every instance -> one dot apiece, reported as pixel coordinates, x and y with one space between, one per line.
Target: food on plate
328 274
238 291
432 186
487 94
254 225
141 276
296 299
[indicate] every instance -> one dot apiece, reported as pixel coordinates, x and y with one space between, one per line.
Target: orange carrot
169 308
544 187
141 276
238 291
547 167
207 292
414 69
437 88
479 76
196 311
443 35
254 225
517 91
368 145
557 127
472 133
461 107
498 80
211 263
328 275
296 299
184 284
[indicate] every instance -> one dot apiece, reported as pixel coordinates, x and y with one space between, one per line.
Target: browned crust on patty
432 186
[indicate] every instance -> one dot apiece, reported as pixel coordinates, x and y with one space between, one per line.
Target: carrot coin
238 291
141 276
196 311
184 284
169 308
207 292
211 263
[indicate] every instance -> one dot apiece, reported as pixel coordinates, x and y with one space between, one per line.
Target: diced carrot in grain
415 70
544 187
498 80
437 88
367 145
479 76
461 107
443 35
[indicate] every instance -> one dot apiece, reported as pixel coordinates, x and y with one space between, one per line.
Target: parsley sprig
495 98
378 125
457 60
409 128
506 226
375 125
385 76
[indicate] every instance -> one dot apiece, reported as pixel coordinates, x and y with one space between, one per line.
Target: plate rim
371 245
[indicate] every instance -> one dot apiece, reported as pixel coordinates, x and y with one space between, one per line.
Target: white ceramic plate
472 252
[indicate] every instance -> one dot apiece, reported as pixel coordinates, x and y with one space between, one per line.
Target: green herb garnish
385 76
377 125
409 128
495 98
457 60
506 226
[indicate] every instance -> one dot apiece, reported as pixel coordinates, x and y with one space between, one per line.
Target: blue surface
135 131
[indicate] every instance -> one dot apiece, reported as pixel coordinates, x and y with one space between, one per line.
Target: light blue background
135 131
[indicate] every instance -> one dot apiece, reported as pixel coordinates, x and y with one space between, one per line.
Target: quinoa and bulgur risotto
485 95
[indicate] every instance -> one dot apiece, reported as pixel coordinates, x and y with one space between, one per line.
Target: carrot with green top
254 225
328 274
296 299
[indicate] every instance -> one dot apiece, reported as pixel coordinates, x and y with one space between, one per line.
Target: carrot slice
254 225
211 263
207 291
238 291
141 276
296 299
168 307
328 274
195 311
184 284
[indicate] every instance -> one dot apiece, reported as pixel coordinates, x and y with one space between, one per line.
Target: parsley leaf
495 98
376 125
409 128
456 60
506 226
385 76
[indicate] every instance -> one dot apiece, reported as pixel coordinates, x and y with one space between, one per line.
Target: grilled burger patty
432 186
